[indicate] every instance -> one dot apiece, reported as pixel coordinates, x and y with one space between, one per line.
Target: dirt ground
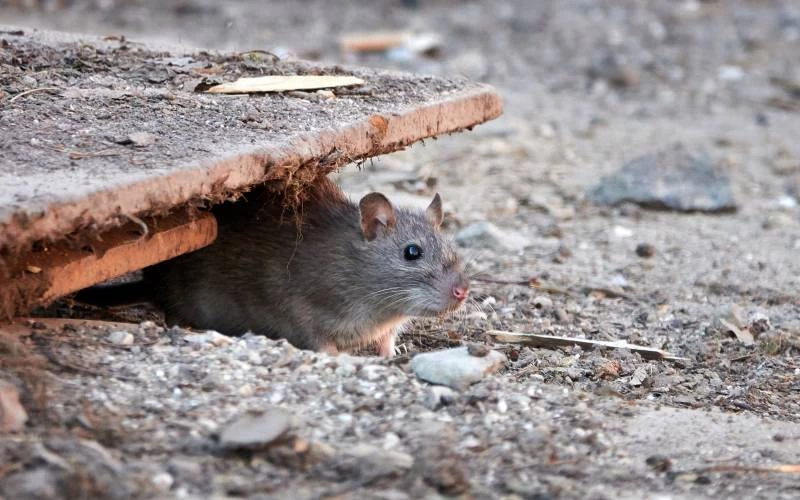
587 86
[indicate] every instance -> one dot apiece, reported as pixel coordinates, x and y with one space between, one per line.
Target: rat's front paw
386 348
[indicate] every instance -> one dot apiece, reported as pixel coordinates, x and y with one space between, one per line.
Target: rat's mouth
456 304
432 312
451 307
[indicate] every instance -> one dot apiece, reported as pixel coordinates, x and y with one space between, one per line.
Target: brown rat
347 276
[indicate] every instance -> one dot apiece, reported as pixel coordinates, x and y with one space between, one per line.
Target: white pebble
120 338
163 481
622 232
502 406
254 358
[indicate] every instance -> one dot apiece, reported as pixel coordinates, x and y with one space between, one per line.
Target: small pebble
254 358
645 250
542 302
659 463
120 338
478 350
621 232
163 481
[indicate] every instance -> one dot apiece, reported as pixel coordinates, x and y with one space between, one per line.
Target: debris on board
383 41
280 83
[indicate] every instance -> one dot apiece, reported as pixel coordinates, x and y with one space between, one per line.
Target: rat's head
420 273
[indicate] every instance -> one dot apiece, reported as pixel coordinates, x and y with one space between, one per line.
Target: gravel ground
588 87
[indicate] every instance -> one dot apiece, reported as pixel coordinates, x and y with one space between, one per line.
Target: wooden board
75 158
54 270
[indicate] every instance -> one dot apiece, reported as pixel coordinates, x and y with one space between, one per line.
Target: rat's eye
412 252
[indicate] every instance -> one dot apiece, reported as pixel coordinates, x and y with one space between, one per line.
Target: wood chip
373 42
550 341
382 41
780 469
742 334
278 83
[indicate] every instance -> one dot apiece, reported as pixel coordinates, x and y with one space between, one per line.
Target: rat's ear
377 213
434 211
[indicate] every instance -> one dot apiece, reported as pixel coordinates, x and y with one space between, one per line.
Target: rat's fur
325 284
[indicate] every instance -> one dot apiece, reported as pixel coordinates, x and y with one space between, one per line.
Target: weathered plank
54 270
124 132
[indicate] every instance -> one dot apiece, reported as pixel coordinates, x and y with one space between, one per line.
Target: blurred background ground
588 87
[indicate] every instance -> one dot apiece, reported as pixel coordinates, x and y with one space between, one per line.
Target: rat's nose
460 292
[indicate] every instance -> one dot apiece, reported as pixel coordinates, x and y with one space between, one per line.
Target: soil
587 88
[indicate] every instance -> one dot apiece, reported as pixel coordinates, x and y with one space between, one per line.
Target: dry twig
33 91
550 341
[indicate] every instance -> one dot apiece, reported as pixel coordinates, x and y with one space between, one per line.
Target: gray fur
321 286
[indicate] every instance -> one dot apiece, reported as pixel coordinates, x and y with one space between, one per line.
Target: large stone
456 368
668 180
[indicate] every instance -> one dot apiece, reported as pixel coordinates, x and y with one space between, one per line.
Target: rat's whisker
392 299
383 291
399 301
475 306
473 257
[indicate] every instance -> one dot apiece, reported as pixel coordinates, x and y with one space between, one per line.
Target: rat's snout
460 292
460 289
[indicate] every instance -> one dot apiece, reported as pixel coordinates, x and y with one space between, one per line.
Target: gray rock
455 367
370 463
256 430
668 180
486 235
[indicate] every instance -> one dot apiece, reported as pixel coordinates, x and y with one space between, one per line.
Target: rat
330 276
